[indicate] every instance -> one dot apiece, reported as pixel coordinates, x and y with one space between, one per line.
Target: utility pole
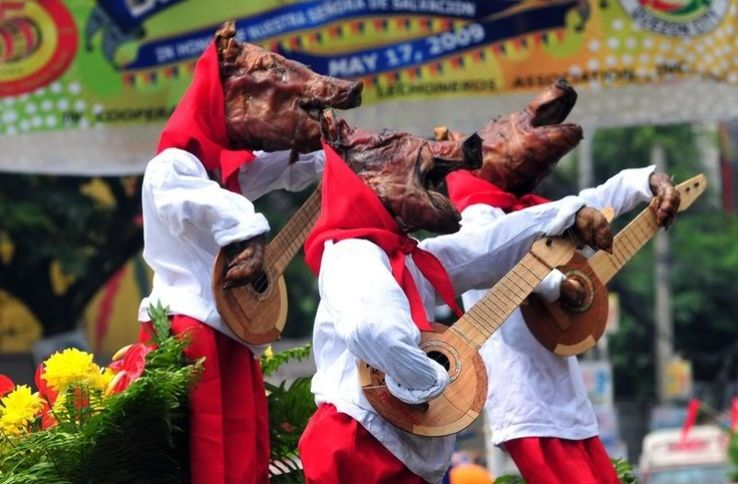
585 168
585 179
664 331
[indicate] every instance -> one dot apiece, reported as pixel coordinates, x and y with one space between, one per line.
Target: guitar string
493 303
301 217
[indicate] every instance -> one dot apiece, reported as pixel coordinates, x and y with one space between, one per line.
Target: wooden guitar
456 348
567 330
257 312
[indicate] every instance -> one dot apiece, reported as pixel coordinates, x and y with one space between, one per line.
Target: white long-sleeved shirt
189 217
365 315
532 392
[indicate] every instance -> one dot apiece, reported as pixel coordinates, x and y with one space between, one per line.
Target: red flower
47 393
129 367
6 385
48 396
47 418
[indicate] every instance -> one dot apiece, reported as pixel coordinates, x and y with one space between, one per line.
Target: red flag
693 408
734 414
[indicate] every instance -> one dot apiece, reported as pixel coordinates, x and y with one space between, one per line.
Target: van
701 457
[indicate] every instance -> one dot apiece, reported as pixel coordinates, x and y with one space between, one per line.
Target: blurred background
86 86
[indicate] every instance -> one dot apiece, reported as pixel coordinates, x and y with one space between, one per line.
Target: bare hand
592 228
245 261
573 292
666 198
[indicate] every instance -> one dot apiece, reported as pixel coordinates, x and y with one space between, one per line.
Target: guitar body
452 411
564 330
257 312
255 316
570 331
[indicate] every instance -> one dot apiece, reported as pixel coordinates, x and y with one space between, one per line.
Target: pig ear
472 149
327 121
223 35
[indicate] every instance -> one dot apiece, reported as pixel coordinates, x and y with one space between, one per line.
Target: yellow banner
86 85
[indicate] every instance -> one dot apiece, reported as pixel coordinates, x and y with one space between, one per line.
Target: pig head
273 103
405 171
521 149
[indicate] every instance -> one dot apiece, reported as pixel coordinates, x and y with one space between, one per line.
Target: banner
87 85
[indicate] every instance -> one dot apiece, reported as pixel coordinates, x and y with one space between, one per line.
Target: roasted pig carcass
273 103
405 171
521 149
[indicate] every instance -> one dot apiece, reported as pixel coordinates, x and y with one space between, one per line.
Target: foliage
99 434
271 362
733 455
704 262
622 467
290 408
624 470
509 479
62 238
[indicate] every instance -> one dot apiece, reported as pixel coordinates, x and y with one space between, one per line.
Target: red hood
198 123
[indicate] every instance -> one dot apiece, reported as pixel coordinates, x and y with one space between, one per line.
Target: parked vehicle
700 457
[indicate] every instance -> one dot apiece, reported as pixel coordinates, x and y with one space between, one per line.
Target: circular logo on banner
38 41
677 18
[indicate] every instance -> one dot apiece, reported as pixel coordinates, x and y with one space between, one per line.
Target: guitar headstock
554 251
690 190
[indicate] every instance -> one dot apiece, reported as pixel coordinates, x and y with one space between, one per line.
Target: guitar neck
625 245
285 245
640 230
488 314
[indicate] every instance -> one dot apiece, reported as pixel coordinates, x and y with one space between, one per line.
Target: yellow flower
20 407
71 367
268 353
103 379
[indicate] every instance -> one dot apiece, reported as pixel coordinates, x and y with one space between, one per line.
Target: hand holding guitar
666 198
573 292
580 314
245 261
592 228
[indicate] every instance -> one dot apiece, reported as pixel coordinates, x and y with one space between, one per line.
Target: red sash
350 209
465 189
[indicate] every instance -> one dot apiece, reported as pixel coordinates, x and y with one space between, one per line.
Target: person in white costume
377 288
537 405
197 199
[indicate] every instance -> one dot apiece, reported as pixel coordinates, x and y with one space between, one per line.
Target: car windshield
690 475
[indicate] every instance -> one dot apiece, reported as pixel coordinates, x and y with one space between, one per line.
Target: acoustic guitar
257 312
569 331
456 348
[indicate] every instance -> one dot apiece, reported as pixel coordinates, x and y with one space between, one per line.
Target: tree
704 266
62 238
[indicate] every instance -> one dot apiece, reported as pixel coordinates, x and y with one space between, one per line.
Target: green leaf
160 321
270 363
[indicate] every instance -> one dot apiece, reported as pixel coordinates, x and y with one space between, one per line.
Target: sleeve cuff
645 188
256 225
414 396
567 209
550 287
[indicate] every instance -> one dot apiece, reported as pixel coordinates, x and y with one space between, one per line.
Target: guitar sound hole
440 358
261 283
